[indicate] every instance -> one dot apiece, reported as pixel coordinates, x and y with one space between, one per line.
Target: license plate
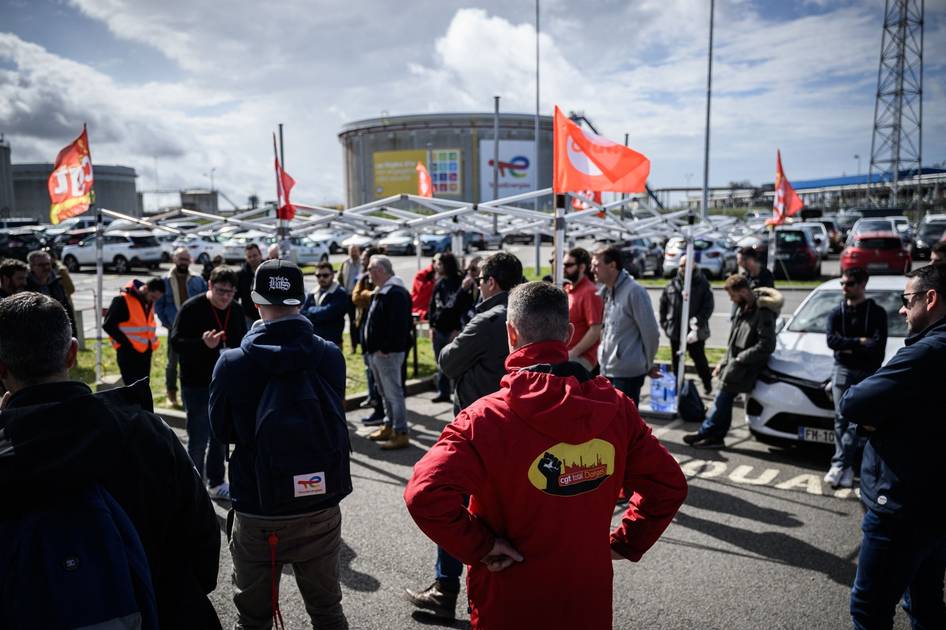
877 266
808 434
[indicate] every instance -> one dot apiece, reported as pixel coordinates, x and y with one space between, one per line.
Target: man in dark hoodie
857 332
57 437
543 461
286 513
903 550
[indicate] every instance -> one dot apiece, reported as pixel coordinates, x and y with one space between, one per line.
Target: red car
878 253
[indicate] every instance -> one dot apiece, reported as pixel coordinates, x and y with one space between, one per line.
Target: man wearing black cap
279 398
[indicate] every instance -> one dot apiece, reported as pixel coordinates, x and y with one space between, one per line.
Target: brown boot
383 434
172 397
435 599
398 440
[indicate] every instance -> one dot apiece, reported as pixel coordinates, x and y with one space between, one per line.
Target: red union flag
787 203
584 161
284 183
424 187
70 183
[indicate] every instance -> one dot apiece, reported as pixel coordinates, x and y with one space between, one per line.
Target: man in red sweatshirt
543 461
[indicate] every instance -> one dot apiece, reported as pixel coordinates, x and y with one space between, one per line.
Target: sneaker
369 402
397 441
708 441
172 398
440 398
692 438
833 476
220 493
374 420
847 478
435 599
383 434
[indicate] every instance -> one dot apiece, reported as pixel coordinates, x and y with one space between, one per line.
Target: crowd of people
545 384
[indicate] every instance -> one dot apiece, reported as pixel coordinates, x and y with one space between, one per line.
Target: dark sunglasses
905 298
481 279
323 275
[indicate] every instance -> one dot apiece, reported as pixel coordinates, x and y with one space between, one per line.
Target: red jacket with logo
543 460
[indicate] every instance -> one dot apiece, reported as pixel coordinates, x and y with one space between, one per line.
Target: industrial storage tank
7 204
115 189
381 155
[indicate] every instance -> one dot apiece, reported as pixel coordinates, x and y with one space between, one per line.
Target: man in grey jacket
630 336
475 362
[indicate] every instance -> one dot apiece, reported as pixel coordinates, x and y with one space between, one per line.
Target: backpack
73 562
301 446
690 406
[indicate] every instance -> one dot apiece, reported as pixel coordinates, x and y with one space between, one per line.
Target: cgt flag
70 183
284 183
584 161
787 203
424 186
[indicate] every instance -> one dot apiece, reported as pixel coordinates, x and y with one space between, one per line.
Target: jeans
440 340
387 378
719 420
845 433
697 352
196 403
899 557
630 386
170 372
448 568
310 543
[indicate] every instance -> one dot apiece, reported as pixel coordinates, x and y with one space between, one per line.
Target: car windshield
789 239
879 243
812 316
876 225
848 220
145 241
933 231
701 244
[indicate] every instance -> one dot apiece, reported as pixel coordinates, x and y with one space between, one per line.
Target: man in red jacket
543 460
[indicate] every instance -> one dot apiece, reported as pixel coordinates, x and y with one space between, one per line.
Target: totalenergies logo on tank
571 469
516 167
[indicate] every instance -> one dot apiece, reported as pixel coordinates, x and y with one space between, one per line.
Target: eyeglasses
849 283
221 291
481 279
905 298
323 275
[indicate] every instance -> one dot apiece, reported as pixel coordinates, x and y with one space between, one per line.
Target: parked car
361 240
791 401
121 251
202 247
846 221
866 224
431 244
819 234
796 255
234 248
77 223
485 240
929 234
57 242
305 251
18 242
877 252
333 239
835 234
715 258
642 256
399 243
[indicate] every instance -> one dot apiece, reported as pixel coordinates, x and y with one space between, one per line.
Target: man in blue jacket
180 285
326 307
282 393
903 551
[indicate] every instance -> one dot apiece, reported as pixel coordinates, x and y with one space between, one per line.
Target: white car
819 233
234 248
333 239
120 251
202 247
792 400
399 242
305 251
715 257
361 240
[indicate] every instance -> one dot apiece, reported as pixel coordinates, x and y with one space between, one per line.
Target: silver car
713 256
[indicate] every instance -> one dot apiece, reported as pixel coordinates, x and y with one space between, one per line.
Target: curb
177 418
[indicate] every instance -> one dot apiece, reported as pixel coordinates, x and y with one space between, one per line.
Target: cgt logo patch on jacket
566 470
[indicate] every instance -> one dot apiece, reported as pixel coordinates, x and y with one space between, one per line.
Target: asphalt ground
761 541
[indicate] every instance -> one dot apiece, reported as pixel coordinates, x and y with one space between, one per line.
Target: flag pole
495 160
537 237
283 224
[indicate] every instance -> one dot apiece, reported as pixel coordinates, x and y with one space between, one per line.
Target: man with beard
701 309
12 277
130 323
585 309
43 279
245 282
179 286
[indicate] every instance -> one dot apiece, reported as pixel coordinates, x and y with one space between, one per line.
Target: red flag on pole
584 161
70 183
284 183
424 186
787 203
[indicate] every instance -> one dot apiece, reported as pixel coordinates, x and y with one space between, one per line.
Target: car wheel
120 264
203 259
324 258
71 263
165 257
410 251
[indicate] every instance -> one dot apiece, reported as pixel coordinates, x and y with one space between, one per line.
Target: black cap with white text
279 283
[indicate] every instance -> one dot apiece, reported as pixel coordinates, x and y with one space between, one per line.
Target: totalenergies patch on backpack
567 470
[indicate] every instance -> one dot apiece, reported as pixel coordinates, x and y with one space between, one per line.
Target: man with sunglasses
326 307
857 332
903 549
585 308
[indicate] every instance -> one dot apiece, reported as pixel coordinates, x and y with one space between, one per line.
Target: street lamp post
858 158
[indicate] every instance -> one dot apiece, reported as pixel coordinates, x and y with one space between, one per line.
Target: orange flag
787 202
584 161
424 187
70 183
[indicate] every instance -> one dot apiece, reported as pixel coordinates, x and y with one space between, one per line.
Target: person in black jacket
134 358
204 326
58 438
385 338
326 307
448 304
903 549
245 282
749 259
43 279
857 332
701 309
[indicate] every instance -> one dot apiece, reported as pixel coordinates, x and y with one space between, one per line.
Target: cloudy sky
178 87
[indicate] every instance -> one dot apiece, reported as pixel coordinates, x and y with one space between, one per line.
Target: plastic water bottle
663 391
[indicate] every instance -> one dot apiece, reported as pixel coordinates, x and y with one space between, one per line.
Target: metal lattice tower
897 142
